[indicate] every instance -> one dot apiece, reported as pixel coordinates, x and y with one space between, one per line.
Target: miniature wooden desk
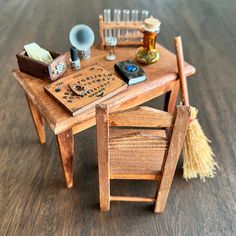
161 79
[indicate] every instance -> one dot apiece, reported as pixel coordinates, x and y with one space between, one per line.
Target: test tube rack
130 34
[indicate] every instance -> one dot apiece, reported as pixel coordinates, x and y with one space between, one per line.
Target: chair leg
162 196
103 172
104 191
172 157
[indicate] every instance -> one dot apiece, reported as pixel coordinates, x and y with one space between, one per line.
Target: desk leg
65 141
171 98
38 121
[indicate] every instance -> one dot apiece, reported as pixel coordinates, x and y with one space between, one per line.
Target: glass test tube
134 15
126 13
134 18
117 19
144 15
107 19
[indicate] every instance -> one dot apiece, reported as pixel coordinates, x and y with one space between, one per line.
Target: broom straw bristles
198 155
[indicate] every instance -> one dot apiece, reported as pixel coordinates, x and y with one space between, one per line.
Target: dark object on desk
49 72
130 72
74 53
84 89
74 58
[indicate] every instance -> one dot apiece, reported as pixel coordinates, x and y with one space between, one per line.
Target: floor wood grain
33 198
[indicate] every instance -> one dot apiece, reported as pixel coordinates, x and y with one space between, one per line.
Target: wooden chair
136 152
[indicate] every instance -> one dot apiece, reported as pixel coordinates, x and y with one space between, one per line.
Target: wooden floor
33 197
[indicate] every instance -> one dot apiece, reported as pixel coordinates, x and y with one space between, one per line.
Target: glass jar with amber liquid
148 54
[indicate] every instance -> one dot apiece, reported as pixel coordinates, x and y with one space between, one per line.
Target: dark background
33 197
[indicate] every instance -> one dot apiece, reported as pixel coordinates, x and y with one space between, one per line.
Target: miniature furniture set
161 79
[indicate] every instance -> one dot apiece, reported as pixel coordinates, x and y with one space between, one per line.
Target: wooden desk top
159 78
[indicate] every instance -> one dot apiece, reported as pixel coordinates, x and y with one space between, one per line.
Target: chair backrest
141 117
127 155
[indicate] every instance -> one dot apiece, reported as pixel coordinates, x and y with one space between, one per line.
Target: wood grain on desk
159 78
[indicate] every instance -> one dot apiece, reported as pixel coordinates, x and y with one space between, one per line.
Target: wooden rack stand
132 37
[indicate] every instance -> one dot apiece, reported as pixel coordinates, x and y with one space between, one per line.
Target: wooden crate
40 69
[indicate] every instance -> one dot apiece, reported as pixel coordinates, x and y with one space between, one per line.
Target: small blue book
130 72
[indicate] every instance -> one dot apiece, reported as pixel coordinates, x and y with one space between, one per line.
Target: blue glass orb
131 68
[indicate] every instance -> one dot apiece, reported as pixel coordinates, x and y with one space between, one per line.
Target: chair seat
137 151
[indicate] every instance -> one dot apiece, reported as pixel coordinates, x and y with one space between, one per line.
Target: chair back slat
142 117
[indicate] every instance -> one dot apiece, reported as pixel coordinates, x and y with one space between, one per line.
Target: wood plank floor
33 198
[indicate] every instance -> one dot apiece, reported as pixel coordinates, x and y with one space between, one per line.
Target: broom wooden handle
182 76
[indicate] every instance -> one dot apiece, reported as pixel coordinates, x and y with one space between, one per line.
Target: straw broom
198 155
